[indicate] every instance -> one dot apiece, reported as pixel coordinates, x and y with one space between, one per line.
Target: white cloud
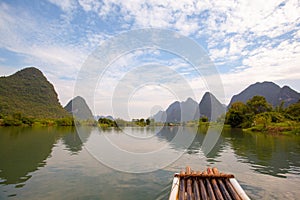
218 53
236 24
89 5
39 51
158 14
65 5
241 29
254 40
236 45
40 45
274 64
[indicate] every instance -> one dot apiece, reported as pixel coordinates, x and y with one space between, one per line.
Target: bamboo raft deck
207 185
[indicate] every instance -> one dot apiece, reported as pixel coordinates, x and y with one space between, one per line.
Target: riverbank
282 128
286 127
23 121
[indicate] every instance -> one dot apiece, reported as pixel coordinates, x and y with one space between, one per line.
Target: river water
70 163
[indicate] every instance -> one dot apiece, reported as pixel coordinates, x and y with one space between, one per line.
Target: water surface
53 163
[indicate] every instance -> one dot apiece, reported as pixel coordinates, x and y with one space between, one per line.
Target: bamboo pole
209 185
189 184
206 175
217 191
196 188
209 188
203 192
239 189
182 187
232 191
222 187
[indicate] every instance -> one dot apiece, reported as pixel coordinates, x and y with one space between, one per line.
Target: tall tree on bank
241 115
237 114
258 104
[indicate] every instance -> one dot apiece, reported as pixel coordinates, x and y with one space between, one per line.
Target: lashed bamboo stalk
189 184
222 187
196 188
182 187
209 185
239 189
203 192
216 189
206 175
209 188
231 190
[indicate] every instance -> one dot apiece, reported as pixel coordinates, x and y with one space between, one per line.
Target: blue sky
248 41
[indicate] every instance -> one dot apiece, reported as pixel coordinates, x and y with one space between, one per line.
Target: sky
246 42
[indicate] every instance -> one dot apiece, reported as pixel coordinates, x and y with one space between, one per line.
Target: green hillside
29 93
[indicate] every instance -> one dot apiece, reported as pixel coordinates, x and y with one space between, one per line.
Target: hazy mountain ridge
182 111
189 110
212 108
271 91
29 93
79 108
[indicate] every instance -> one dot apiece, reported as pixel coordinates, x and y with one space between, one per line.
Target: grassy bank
287 127
20 120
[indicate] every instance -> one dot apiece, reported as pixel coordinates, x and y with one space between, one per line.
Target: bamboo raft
206 185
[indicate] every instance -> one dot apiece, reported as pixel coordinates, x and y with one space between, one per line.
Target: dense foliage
105 123
258 115
293 112
141 122
29 92
17 119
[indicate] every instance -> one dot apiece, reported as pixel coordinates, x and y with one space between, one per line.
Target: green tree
280 107
104 122
140 122
11 121
258 104
237 115
262 119
204 119
234 118
148 121
293 111
67 121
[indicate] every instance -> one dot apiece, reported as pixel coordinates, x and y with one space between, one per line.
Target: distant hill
29 92
272 92
161 116
79 108
173 112
211 107
288 95
179 112
188 110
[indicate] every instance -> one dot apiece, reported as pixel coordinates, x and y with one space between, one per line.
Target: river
70 163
